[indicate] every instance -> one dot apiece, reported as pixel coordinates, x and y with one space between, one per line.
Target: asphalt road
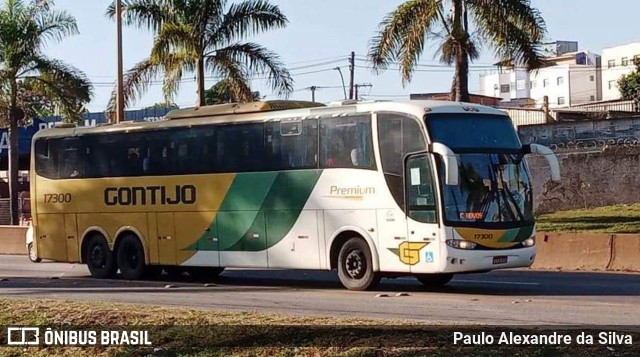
502 297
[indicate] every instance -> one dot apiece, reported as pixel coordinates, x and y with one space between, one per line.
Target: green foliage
609 219
29 80
629 86
204 37
162 106
221 93
513 28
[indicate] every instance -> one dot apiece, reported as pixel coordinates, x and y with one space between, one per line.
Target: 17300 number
57 198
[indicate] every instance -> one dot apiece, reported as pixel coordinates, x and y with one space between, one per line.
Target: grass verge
610 219
178 330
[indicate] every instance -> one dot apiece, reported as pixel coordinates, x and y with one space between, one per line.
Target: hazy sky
327 30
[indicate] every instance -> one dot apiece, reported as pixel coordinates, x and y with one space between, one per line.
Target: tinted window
473 131
240 148
46 159
398 135
291 144
345 142
420 191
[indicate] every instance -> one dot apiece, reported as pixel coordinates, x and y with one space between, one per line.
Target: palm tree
199 36
512 28
26 27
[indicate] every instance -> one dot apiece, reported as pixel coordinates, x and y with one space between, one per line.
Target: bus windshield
468 132
494 184
493 189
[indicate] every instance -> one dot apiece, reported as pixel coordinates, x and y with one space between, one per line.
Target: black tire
32 254
204 273
355 266
99 258
434 280
130 258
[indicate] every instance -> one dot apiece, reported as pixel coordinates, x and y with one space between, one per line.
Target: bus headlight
461 244
529 242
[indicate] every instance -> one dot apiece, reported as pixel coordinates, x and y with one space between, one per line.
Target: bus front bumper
458 260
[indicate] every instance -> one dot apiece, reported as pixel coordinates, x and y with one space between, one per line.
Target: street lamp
342 77
119 89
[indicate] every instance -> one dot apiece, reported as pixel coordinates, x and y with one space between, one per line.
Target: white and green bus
370 189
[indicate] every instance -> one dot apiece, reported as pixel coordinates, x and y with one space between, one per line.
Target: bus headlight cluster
461 244
529 242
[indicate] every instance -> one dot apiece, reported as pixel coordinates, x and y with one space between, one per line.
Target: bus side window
72 159
346 142
46 162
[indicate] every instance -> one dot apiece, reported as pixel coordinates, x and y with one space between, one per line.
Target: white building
616 62
572 78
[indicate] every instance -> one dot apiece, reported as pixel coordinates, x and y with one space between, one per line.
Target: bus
370 189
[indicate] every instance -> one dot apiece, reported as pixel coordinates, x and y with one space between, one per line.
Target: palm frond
258 60
235 77
243 19
174 36
136 82
144 14
174 66
401 36
513 28
62 83
55 25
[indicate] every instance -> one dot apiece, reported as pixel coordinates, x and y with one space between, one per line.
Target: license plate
500 260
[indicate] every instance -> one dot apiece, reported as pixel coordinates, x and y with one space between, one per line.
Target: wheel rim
355 264
98 257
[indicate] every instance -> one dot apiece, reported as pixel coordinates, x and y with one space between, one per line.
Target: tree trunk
459 32
13 155
462 76
200 79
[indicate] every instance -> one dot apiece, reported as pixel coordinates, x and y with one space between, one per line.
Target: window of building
612 63
560 81
625 61
561 101
612 84
592 78
346 142
532 84
636 59
592 98
505 88
545 83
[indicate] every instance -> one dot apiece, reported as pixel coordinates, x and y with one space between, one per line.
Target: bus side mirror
554 165
450 162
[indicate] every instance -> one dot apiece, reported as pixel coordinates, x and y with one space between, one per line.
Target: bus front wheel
130 258
99 258
355 266
434 280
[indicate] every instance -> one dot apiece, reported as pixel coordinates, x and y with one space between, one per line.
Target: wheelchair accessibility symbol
429 257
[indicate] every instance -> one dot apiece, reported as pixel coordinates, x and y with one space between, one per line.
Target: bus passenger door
51 237
422 216
166 239
71 235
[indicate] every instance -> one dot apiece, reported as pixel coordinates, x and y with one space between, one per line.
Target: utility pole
119 89
357 86
313 93
352 68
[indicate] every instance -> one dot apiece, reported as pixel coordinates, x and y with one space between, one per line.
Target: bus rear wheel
355 266
99 258
130 258
434 280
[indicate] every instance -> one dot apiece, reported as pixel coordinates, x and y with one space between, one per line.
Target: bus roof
273 110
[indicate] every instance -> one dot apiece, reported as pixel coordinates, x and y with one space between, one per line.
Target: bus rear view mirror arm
548 154
450 162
